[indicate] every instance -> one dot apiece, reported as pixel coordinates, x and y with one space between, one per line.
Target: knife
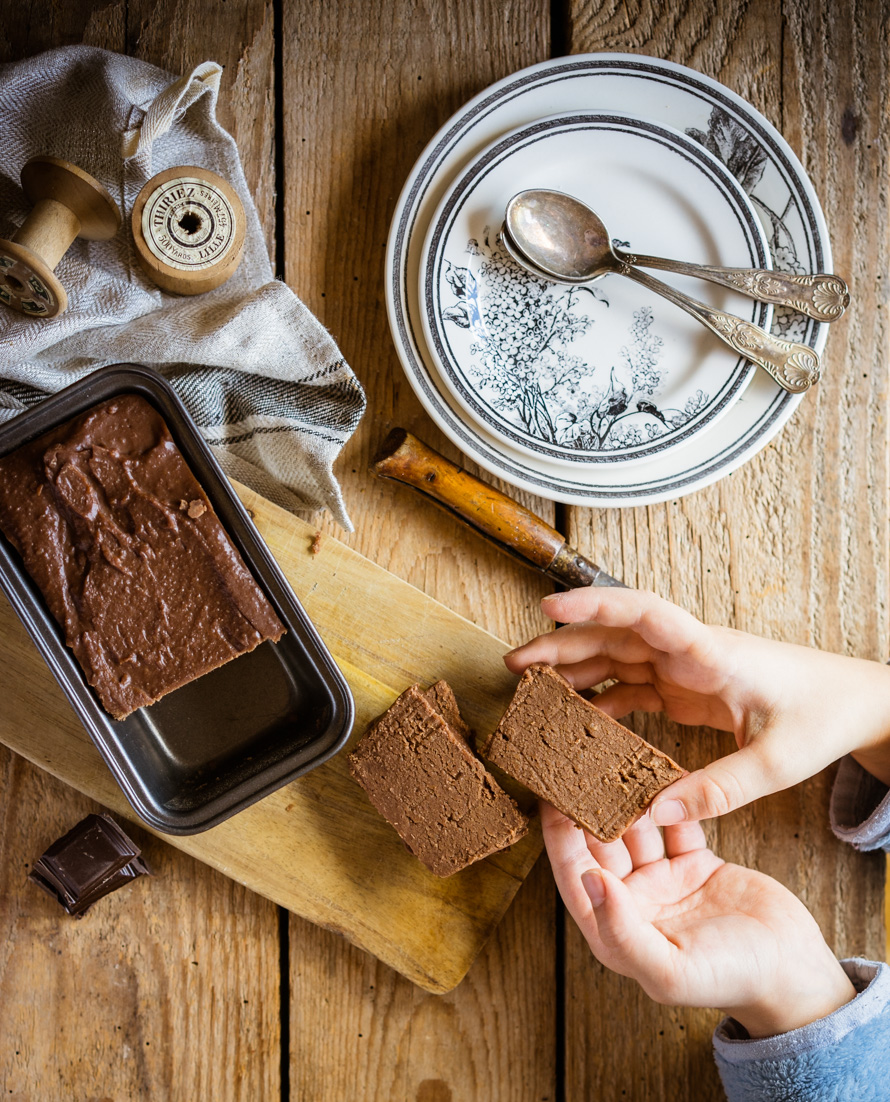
507 524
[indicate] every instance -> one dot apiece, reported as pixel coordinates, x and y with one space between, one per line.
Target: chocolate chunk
129 554
423 778
92 860
571 754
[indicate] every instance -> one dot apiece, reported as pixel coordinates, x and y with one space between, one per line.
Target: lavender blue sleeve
846 1055
840 1058
860 807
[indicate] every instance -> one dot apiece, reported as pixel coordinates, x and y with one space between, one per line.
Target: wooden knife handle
499 518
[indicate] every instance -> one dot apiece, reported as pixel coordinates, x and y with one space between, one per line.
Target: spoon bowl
560 235
515 254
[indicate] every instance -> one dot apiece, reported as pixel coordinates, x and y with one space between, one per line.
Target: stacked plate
603 394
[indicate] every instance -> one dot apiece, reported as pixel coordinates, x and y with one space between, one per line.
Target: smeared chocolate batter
129 554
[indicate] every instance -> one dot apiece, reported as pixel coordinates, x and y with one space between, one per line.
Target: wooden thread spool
68 203
188 227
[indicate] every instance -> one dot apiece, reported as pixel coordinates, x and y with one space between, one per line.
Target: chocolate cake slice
571 754
129 554
421 775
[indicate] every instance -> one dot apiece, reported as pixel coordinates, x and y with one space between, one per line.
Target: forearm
867 688
875 761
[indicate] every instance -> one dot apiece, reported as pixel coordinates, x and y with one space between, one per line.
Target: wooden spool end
68 203
188 228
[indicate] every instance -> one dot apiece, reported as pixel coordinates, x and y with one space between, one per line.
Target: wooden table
192 987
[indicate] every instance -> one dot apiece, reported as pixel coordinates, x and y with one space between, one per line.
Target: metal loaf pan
229 738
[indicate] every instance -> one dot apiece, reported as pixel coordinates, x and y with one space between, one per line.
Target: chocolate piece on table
423 778
92 860
568 752
129 554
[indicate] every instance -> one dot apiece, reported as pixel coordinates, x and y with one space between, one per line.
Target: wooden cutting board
317 846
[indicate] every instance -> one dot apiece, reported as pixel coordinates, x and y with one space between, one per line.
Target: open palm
692 929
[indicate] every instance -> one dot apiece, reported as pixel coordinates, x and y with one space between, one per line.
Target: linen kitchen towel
260 375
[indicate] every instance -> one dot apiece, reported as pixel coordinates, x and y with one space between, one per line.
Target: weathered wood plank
168 985
171 988
792 546
366 86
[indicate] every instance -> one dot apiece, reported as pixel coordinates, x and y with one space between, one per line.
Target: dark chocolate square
92 860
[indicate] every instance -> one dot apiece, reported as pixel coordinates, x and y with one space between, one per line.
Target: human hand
793 710
693 930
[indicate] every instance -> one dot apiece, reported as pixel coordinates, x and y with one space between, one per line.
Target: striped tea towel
260 375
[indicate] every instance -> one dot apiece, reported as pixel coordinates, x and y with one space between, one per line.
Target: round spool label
24 290
189 224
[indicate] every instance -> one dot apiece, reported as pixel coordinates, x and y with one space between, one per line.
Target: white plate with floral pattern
608 372
709 113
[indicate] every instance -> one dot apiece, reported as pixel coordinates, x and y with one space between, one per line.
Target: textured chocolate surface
422 777
129 555
576 757
442 699
92 860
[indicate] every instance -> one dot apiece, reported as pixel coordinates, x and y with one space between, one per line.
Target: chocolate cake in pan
129 554
136 570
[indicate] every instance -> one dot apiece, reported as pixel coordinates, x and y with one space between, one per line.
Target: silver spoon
795 367
564 237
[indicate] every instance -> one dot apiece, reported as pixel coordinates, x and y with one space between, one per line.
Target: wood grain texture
178 35
148 989
494 515
172 990
793 545
365 88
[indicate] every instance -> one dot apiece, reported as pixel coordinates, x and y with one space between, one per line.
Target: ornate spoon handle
795 367
823 297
